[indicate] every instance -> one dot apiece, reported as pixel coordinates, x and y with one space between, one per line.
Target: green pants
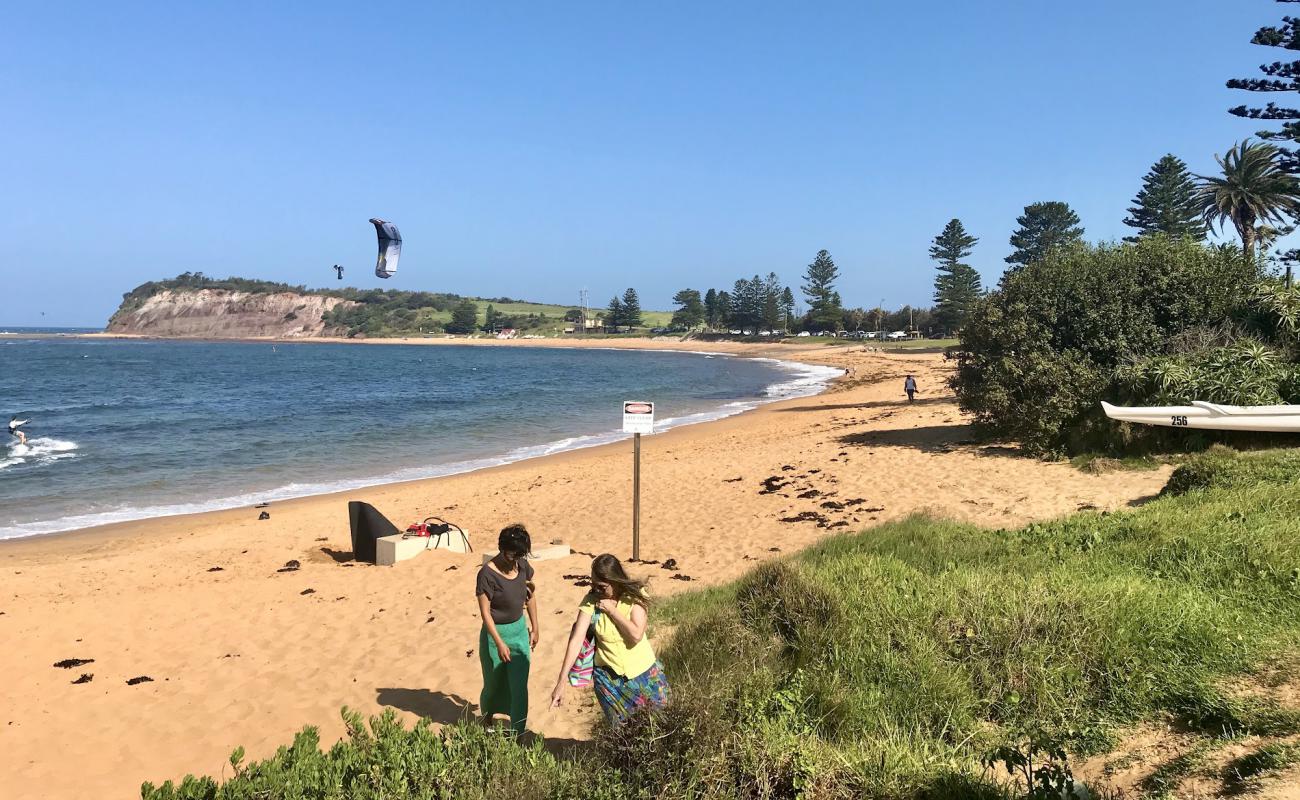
505 685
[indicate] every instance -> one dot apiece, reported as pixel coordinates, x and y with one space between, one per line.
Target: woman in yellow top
627 676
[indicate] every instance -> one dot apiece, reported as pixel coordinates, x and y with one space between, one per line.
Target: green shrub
387 761
1039 354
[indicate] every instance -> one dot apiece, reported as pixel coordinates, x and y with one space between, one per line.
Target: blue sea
130 429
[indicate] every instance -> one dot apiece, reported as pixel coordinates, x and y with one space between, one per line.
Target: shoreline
800 372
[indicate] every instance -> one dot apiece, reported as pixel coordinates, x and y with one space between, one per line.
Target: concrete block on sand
548 553
391 549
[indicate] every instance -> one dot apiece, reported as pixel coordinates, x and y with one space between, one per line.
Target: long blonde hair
606 568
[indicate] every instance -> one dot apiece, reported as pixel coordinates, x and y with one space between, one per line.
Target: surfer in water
14 424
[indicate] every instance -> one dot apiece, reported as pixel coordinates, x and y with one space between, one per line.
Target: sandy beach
241 653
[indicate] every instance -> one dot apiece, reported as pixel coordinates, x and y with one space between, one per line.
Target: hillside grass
908 661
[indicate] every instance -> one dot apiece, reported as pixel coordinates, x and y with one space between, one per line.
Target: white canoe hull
1211 417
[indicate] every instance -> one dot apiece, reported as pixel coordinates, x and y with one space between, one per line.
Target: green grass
1166 777
887 664
1271 758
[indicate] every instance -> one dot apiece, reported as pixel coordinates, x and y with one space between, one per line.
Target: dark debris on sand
139 679
307 591
216 569
86 677
69 663
289 566
773 484
805 516
681 577
670 564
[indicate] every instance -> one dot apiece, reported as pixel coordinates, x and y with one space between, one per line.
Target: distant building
506 333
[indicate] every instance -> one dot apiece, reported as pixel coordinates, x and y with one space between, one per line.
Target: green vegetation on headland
390 312
914 660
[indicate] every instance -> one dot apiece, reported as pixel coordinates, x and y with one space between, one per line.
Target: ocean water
123 430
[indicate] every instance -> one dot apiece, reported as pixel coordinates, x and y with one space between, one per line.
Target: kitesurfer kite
14 424
390 247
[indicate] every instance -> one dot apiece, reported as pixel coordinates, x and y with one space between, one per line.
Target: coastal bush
1039 354
1223 468
921 659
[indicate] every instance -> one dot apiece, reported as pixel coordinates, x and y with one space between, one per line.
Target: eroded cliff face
219 314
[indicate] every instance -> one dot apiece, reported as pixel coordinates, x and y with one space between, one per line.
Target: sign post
638 418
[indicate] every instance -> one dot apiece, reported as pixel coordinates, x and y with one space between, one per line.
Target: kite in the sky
390 247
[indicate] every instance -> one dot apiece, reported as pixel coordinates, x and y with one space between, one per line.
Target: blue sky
532 149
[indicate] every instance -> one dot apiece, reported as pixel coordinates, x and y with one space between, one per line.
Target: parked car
803 333
896 335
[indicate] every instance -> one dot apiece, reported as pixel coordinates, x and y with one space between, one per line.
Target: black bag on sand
367 526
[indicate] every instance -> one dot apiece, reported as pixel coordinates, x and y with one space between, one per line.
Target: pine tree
772 302
1282 76
787 307
1043 227
824 311
631 309
957 286
724 310
490 319
1167 203
464 317
690 311
615 316
747 304
711 308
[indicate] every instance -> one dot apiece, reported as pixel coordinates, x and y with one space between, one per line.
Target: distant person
508 605
909 386
626 674
14 424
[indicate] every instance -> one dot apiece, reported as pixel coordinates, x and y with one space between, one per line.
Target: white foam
38 451
806 380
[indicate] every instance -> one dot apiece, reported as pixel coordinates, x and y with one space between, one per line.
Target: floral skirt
619 697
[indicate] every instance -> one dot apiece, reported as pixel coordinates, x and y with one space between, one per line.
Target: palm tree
1253 189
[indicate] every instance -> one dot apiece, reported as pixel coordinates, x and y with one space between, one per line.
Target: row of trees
1253 193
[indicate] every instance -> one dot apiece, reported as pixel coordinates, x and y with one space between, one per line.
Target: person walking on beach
626 674
14 422
508 605
909 386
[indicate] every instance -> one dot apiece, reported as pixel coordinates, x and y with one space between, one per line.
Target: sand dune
246 655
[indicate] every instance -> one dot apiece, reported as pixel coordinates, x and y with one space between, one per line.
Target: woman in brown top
506 642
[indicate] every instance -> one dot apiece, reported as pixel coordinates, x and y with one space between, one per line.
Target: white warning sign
638 416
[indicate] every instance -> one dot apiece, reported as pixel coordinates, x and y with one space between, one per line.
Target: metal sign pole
636 497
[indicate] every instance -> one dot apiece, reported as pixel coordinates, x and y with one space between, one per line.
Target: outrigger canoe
1211 417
